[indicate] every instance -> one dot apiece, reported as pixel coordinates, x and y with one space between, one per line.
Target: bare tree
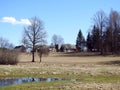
42 50
34 35
4 43
100 22
60 40
57 40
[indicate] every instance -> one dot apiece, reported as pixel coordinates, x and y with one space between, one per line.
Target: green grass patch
55 85
100 79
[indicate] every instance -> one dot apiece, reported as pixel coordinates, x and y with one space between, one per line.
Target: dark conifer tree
89 42
96 39
108 47
80 42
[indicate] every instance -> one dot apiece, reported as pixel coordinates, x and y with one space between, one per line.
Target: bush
42 50
8 57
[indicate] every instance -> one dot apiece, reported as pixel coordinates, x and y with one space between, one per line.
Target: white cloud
25 21
12 20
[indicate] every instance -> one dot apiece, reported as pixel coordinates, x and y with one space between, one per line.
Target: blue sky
61 17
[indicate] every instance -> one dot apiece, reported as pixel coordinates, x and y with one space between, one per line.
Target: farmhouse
68 48
20 48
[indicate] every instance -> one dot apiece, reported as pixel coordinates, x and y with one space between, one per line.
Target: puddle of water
13 81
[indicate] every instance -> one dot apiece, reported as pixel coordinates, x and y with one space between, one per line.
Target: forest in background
104 37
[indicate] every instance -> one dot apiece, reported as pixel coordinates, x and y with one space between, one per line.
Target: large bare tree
34 35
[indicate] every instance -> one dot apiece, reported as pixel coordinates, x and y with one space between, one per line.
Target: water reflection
12 81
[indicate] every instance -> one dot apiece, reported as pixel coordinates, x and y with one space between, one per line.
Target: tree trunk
33 56
40 57
33 52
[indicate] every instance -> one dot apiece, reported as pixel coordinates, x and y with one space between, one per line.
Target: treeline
104 37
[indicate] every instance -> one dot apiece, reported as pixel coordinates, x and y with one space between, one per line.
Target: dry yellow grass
89 65
61 58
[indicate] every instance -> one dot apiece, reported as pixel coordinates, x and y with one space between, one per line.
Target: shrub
8 56
42 50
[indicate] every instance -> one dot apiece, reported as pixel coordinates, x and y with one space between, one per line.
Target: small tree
34 35
42 50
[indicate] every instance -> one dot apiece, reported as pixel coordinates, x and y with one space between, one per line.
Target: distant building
20 48
68 48
52 48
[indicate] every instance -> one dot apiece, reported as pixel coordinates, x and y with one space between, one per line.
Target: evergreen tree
89 42
80 42
96 39
108 40
116 39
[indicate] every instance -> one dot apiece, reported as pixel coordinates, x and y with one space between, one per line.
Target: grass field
92 71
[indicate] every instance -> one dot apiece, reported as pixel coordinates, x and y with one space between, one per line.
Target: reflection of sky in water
5 82
48 80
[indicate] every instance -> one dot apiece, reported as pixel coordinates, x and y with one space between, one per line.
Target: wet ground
12 81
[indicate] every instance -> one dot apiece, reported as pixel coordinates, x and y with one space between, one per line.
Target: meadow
87 71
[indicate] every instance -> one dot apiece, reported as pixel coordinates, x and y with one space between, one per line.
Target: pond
13 81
